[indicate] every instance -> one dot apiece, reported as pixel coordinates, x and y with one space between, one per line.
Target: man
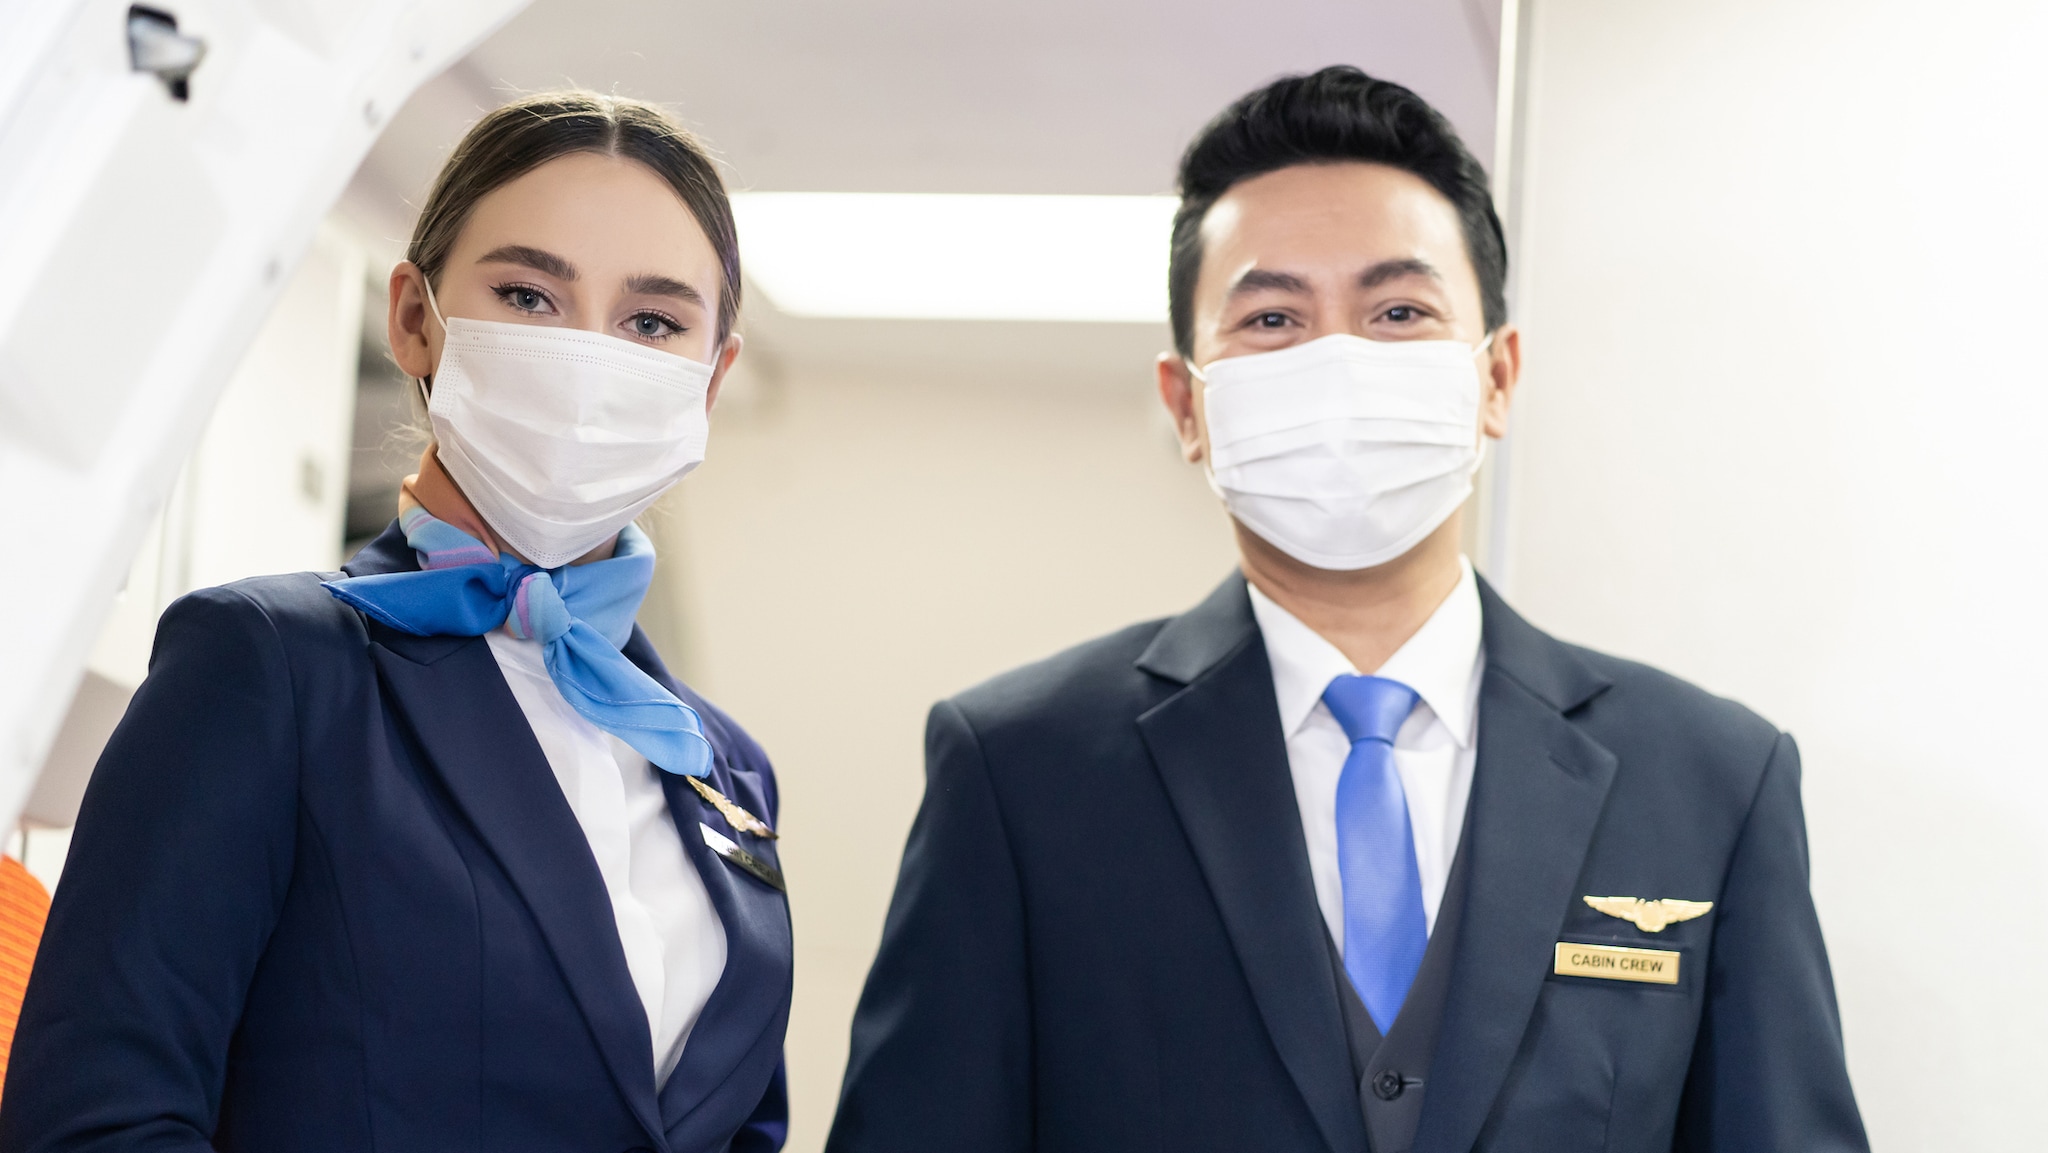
1202 885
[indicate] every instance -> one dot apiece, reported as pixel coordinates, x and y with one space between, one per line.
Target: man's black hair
1337 114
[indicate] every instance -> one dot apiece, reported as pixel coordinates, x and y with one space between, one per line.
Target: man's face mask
1344 453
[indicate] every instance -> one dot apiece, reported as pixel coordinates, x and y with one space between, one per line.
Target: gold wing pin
735 816
1650 916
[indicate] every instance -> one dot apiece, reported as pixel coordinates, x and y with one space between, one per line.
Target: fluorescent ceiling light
930 256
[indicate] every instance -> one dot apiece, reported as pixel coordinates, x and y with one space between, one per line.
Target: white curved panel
142 241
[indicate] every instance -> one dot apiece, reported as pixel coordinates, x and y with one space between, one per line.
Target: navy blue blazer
1105 936
325 894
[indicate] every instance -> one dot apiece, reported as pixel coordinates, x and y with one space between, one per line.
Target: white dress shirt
674 941
1434 751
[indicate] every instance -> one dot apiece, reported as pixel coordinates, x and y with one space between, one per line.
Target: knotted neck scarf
581 615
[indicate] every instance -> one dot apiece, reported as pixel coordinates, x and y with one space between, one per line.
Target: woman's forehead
605 215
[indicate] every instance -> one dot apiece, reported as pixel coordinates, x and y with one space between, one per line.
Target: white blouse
673 939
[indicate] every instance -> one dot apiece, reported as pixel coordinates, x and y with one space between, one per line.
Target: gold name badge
1617 963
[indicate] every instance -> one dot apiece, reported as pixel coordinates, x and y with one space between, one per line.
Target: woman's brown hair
527 133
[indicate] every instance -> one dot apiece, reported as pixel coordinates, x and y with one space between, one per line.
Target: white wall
262 493
855 549
1782 278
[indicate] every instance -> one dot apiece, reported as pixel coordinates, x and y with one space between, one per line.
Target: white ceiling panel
1050 97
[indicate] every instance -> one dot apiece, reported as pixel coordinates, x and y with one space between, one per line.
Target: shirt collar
1438 662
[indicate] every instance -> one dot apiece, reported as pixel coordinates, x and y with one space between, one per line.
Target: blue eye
522 297
653 326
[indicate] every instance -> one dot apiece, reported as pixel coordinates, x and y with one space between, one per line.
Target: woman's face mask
561 436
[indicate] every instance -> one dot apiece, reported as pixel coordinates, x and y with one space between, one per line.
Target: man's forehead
1369 217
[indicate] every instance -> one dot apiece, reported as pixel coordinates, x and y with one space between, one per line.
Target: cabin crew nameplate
1617 963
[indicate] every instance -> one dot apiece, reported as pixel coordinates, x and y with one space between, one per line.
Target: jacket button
1387 1085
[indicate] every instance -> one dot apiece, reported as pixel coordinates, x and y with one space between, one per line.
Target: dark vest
1391 1072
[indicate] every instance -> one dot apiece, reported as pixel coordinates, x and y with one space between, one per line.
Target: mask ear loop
420 382
1208 458
1482 346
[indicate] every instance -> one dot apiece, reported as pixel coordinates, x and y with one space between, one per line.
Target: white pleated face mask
1344 453
561 436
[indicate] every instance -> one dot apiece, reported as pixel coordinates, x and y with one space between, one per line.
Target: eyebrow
1387 270
1266 279
541 260
538 259
650 284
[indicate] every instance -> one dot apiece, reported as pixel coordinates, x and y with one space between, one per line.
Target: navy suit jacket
1105 935
325 894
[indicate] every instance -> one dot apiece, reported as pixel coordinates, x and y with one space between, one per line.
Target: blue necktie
1384 929
582 615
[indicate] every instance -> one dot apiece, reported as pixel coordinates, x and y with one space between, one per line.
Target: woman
436 855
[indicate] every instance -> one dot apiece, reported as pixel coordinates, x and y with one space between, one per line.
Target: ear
1504 371
1178 391
726 356
415 340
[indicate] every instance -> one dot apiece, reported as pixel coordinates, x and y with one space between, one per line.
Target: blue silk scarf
581 615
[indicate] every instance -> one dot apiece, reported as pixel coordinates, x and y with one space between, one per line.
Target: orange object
24 906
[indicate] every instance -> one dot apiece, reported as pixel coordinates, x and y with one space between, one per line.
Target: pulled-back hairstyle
527 133
1335 115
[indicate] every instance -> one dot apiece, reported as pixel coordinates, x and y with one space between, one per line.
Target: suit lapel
1223 759
451 693
478 742
752 994
1537 793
